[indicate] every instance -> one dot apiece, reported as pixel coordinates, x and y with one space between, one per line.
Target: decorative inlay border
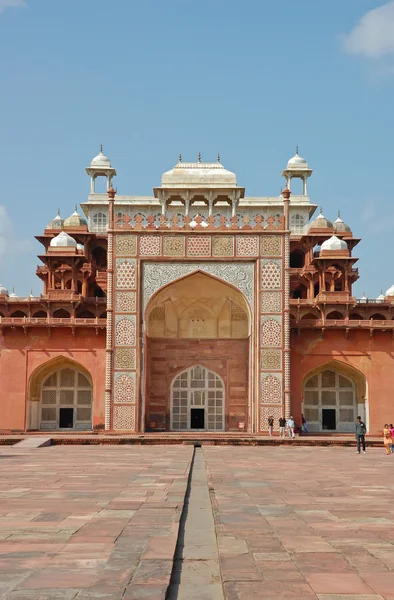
238 274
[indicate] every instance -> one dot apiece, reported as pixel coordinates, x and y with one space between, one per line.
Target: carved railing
199 223
342 323
50 321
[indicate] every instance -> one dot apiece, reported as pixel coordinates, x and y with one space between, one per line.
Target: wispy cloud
11 4
373 36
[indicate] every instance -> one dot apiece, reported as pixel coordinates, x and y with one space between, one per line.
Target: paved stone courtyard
102 522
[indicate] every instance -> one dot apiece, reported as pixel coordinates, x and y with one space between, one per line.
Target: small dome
75 220
297 162
334 243
390 291
363 298
56 223
63 240
3 290
13 295
380 298
340 225
80 247
101 160
321 222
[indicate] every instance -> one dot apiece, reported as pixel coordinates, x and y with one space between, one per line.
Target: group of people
286 424
388 438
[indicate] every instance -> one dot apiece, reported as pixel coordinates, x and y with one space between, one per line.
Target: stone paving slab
303 523
90 522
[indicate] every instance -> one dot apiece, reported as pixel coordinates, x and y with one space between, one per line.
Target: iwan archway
197 356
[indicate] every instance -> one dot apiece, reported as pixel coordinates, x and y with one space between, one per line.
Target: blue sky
152 79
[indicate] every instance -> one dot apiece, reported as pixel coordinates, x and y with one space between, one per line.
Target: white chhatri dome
297 162
3 290
101 160
340 225
63 240
390 291
380 298
334 243
56 223
320 222
75 220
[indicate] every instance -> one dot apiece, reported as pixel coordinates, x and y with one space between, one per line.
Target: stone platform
244 523
197 438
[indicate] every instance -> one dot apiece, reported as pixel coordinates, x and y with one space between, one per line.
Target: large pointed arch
53 364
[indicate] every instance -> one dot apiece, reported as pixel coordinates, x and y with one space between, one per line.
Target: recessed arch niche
198 306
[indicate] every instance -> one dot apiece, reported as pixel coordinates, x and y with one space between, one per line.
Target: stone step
33 442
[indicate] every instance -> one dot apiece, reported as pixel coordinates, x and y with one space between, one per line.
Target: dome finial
180 158
219 158
321 210
199 157
76 208
339 214
101 148
297 150
58 212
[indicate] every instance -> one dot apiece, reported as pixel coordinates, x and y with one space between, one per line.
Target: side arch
60 396
333 395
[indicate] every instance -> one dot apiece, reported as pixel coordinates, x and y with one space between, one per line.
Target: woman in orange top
387 438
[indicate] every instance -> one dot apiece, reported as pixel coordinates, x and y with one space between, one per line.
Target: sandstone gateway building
195 309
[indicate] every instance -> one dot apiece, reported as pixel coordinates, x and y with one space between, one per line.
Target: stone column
109 340
286 312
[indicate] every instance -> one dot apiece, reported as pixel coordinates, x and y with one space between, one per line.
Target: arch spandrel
239 275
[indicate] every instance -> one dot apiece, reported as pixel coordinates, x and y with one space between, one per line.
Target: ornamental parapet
342 323
199 223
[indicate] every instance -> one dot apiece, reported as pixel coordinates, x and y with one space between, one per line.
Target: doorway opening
66 418
329 421
197 418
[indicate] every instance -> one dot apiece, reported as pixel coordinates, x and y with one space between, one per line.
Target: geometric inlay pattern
271 388
198 245
247 245
125 330
126 245
150 245
125 273
271 360
223 245
271 331
271 302
174 245
270 411
125 301
271 274
240 275
124 387
125 358
124 417
271 245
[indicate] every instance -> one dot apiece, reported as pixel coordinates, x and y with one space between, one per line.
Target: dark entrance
66 418
329 420
197 418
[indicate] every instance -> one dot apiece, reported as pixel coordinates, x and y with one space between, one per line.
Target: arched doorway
65 400
197 400
193 321
330 401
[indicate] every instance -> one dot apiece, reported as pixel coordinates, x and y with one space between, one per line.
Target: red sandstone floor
95 522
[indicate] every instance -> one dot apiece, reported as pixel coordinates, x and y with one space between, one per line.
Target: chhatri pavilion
196 308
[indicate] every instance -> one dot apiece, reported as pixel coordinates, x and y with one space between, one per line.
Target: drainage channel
196 573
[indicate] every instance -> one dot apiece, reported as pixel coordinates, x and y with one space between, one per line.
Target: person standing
360 431
392 435
282 425
387 438
270 425
290 426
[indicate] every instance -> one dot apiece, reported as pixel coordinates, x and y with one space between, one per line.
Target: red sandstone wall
227 358
372 356
20 355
